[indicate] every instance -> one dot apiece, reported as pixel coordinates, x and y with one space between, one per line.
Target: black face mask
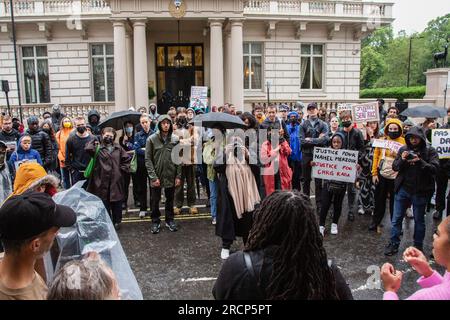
394 135
182 120
16 126
293 121
347 124
108 140
81 130
47 131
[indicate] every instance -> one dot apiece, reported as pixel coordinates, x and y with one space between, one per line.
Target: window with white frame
103 71
311 71
253 66
35 74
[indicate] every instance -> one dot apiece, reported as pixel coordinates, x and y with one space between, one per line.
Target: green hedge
400 93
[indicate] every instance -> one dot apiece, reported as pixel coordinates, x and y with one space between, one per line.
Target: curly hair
286 219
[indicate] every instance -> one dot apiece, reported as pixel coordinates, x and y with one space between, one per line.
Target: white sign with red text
366 112
387 144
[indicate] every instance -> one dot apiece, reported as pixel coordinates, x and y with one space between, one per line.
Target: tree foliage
385 57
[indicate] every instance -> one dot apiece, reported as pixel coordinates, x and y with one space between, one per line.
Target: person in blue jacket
295 159
23 154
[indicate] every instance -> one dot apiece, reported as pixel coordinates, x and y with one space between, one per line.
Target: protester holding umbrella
126 141
107 180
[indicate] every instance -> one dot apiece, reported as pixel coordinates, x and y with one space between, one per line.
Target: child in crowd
24 153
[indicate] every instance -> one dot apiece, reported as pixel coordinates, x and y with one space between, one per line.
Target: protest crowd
257 170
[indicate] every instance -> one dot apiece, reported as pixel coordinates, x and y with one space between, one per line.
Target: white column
227 67
140 64
130 70
237 65
216 65
120 66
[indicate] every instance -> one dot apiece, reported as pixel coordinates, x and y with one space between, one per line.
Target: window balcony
53 8
332 8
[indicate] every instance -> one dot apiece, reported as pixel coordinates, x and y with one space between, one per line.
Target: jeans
114 210
65 175
213 198
403 200
156 198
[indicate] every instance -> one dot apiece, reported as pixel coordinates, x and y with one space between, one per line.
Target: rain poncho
93 231
5 183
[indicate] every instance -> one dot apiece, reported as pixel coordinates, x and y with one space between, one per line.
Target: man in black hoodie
57 117
40 141
416 164
94 120
9 135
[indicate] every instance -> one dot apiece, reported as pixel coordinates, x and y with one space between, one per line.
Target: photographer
416 164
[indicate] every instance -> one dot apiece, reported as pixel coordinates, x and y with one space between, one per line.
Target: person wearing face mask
354 140
126 141
17 125
47 127
182 122
41 142
94 121
295 159
57 117
61 139
383 175
417 164
107 180
77 159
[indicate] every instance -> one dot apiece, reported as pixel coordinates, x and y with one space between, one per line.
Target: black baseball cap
32 213
312 105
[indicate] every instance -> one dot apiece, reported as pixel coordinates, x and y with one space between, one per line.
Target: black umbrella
425 112
117 120
219 120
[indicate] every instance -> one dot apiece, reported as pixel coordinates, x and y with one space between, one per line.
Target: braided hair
286 219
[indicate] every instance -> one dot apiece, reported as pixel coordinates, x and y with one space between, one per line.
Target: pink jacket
435 287
268 156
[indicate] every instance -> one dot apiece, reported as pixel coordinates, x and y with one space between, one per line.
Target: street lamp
5 89
268 85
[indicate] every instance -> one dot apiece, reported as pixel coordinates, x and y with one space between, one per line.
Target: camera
411 155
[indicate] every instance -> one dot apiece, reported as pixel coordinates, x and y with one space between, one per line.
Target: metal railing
23 8
70 110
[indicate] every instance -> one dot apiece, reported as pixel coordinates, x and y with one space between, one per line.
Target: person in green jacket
163 172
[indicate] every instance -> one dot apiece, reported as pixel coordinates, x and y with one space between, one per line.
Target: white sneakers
361 211
322 231
214 221
225 254
142 214
334 228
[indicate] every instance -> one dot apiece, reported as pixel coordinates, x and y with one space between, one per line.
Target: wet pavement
184 264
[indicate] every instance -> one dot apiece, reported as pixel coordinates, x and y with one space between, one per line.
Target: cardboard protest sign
199 97
344 107
337 165
387 144
440 139
366 112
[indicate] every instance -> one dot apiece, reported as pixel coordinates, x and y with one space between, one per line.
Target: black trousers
441 190
296 167
384 188
115 210
136 194
331 197
156 198
306 170
142 179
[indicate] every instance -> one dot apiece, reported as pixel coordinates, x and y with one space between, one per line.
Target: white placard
366 112
440 140
199 97
344 107
337 165
387 144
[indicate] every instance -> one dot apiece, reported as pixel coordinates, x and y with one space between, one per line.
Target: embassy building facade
116 54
